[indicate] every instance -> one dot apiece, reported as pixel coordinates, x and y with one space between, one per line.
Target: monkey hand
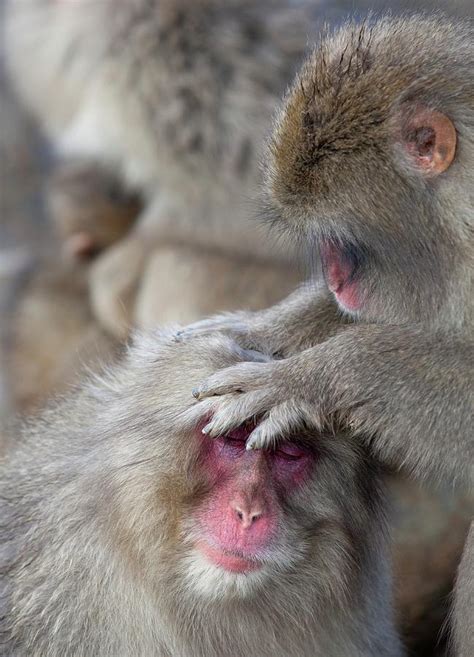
274 391
347 379
113 283
379 381
243 327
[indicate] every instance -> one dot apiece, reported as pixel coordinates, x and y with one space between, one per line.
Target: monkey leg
114 282
51 336
182 284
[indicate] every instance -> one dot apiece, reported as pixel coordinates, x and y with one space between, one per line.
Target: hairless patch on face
240 520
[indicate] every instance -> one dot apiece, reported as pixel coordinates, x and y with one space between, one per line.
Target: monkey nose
247 514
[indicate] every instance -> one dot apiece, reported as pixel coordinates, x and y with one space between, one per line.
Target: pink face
239 522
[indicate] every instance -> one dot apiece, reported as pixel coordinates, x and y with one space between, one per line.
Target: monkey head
230 524
369 164
90 210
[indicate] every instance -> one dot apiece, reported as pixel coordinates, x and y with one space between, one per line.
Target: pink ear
429 138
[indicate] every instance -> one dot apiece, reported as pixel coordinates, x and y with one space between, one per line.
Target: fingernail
207 429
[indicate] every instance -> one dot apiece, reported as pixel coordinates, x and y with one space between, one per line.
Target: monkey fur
119 83
107 497
193 284
371 164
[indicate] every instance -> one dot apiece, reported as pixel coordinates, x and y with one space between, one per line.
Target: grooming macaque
125 531
371 159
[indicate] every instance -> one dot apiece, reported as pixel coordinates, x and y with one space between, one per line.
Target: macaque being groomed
371 162
124 531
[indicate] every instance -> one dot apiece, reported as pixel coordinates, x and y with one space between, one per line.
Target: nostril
247 518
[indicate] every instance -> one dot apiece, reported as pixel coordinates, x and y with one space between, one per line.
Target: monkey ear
429 138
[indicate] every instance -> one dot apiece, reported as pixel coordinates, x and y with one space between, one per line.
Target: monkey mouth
340 267
229 561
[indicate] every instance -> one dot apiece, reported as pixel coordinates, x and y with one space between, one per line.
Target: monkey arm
409 392
305 318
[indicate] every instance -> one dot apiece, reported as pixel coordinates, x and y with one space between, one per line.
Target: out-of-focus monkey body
175 98
125 531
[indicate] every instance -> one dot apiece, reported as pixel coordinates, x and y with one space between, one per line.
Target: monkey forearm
409 392
305 318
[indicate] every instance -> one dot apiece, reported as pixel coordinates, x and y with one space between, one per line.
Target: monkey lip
227 560
340 266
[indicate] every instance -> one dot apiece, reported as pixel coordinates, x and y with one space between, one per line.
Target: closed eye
291 452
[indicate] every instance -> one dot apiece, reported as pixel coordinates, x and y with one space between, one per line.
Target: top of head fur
346 164
344 99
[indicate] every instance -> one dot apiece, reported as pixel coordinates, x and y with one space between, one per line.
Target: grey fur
175 96
96 500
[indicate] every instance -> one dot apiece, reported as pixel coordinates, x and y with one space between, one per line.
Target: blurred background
144 215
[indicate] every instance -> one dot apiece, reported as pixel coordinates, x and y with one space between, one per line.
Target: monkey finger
194 415
282 421
219 324
233 411
242 377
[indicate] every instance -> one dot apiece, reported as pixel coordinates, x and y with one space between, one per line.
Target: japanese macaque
125 531
173 98
372 163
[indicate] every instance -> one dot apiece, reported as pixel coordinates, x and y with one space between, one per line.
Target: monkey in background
51 335
89 209
371 161
173 98
48 332
126 532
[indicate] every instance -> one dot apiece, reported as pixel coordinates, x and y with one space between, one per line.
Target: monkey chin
230 562
224 577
